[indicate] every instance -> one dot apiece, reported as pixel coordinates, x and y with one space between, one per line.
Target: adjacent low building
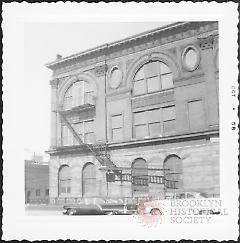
36 182
150 103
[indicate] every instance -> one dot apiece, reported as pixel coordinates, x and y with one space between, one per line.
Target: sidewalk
43 207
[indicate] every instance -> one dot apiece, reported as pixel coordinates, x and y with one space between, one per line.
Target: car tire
71 212
155 211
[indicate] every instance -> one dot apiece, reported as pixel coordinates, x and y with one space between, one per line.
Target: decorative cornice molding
100 70
129 46
54 82
206 42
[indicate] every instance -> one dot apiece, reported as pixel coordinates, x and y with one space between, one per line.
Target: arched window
64 180
139 177
79 93
153 76
173 172
89 180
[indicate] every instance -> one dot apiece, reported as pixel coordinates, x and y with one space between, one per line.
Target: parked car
160 207
101 207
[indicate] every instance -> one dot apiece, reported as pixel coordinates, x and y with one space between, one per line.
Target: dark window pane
89 180
174 164
140 177
38 192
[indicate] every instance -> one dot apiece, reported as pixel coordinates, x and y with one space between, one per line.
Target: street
47 210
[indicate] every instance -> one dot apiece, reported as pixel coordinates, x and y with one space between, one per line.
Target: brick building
36 182
150 103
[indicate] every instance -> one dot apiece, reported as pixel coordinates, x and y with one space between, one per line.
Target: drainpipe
105 79
105 96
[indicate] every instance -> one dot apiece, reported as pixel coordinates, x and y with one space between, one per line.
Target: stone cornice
78 149
206 42
100 70
130 45
54 82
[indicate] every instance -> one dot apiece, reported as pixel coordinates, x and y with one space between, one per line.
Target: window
68 99
152 77
85 129
117 127
155 122
88 132
139 177
196 114
79 93
64 179
38 192
47 192
89 180
67 136
174 170
190 58
169 120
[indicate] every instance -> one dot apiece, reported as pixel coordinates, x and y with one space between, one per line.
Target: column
206 45
54 87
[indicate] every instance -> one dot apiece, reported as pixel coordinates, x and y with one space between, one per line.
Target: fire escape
114 173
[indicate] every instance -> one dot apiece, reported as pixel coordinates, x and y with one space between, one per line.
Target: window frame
72 138
145 78
149 122
117 128
74 96
67 181
204 113
38 192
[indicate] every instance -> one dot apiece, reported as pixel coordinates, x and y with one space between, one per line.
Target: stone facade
197 148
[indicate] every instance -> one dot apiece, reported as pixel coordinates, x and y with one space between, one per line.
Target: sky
42 42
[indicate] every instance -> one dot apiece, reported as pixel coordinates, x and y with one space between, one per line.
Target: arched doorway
89 180
140 177
173 172
64 180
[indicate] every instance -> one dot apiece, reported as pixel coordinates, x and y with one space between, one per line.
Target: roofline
115 43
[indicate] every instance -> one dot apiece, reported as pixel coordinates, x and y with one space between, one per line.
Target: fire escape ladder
102 156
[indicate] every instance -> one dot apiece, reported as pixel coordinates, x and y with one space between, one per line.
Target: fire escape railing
99 151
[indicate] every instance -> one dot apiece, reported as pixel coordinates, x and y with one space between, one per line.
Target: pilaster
206 44
54 87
